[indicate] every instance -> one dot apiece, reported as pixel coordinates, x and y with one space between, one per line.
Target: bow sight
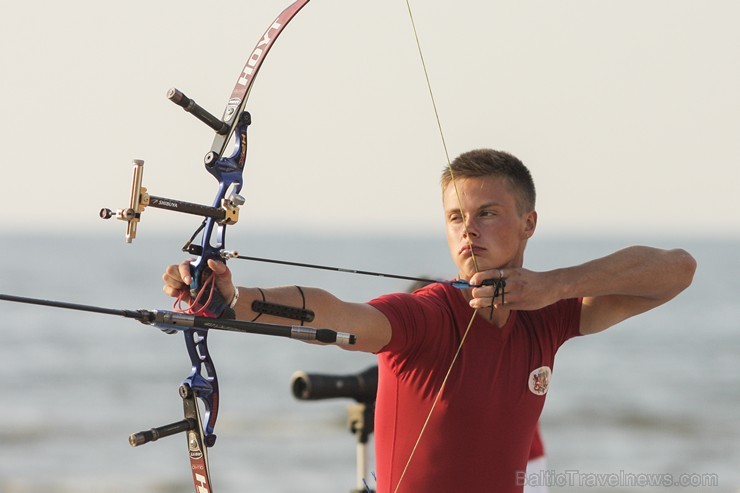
226 213
225 210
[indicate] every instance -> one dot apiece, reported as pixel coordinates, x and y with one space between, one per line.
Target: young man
491 351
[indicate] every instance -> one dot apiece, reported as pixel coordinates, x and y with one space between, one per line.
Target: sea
651 405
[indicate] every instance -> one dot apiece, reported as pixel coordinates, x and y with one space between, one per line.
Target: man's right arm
372 328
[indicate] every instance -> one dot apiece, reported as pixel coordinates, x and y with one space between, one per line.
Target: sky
627 113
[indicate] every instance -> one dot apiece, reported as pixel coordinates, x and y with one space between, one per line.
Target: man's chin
468 266
467 269
482 266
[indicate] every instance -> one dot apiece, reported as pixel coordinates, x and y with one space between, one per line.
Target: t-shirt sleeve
413 320
569 317
387 306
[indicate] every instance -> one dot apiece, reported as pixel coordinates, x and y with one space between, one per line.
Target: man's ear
530 223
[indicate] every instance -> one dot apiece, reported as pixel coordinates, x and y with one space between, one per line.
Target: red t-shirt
481 430
537 449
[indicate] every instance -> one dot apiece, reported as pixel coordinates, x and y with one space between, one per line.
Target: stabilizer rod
155 434
198 111
172 321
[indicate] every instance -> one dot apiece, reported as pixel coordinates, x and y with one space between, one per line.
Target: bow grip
208 301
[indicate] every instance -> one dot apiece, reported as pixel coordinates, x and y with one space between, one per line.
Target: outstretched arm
614 288
371 327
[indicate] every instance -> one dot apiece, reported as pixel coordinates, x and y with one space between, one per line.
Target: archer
463 373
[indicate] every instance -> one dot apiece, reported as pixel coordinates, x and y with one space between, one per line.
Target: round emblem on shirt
539 380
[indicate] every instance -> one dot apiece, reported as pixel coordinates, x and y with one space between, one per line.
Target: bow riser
228 171
203 386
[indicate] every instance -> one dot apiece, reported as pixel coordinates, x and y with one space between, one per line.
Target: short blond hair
489 162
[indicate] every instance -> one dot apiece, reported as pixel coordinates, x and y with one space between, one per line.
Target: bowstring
467 237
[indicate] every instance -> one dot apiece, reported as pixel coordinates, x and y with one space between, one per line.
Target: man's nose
470 228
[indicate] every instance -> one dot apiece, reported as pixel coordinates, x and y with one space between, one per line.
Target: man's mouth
470 249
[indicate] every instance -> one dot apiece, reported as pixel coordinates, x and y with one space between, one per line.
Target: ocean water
657 395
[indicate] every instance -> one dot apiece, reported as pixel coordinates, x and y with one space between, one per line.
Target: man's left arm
614 288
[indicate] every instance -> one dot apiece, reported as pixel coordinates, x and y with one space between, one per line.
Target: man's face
496 233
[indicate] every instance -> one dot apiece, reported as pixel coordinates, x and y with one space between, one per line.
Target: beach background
655 395
627 114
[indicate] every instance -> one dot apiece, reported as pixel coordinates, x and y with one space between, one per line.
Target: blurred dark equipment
362 387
